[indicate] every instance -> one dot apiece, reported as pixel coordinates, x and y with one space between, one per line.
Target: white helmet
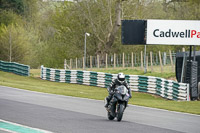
121 77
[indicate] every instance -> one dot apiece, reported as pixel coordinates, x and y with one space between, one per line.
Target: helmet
121 77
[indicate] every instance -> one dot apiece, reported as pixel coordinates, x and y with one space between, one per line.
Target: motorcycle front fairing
118 96
123 98
126 98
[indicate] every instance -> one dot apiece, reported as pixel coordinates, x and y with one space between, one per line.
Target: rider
120 80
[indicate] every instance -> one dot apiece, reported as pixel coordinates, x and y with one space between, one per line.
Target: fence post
114 60
151 62
141 60
136 60
76 63
172 64
83 63
70 63
65 64
90 61
127 62
132 63
106 60
161 62
97 61
147 62
156 59
164 58
123 60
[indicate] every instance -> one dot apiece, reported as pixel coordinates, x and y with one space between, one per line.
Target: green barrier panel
16 68
57 75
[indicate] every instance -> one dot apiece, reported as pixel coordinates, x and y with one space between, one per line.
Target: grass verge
33 83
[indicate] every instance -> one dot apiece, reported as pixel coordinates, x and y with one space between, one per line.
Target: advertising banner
173 32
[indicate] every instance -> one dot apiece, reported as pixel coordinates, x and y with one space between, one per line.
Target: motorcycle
118 103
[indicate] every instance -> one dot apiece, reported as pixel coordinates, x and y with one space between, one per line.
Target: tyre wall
165 88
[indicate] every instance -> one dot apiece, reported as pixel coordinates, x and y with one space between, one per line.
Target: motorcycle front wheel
120 112
110 117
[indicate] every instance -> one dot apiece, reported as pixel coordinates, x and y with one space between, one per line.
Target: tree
100 18
8 17
14 44
14 5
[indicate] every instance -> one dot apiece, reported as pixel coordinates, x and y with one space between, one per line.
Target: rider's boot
107 102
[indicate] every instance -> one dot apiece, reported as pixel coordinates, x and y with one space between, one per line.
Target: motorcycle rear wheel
120 112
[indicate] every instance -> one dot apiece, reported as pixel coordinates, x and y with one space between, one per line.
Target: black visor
121 79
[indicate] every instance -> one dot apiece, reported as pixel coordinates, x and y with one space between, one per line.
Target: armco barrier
165 88
14 67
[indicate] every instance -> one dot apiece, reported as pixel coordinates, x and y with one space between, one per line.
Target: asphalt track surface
63 114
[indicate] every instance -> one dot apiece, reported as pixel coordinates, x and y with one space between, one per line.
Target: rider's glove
111 92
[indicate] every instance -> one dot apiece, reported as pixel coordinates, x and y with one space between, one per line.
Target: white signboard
173 32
